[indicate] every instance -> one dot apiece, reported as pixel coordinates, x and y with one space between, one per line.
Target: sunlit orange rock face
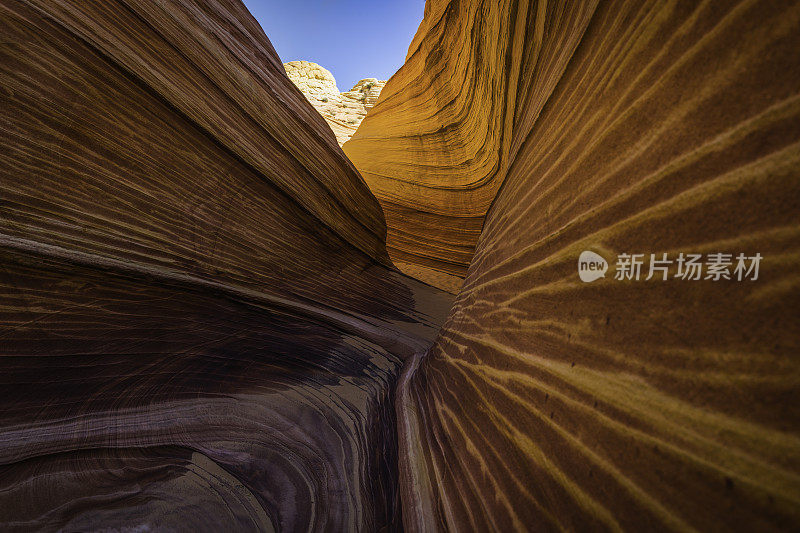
627 127
200 327
436 147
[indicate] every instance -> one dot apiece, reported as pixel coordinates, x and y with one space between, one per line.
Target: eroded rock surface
342 111
628 127
201 330
436 148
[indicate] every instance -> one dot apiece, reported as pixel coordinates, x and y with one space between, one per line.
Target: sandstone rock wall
200 329
626 127
342 111
436 148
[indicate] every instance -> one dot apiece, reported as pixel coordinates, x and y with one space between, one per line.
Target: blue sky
353 39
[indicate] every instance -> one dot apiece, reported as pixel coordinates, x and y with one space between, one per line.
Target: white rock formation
342 111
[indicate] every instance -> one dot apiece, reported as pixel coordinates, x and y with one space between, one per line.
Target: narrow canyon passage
215 318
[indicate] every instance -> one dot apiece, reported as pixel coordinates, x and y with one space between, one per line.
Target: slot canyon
216 318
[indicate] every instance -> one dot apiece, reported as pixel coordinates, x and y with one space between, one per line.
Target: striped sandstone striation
201 329
435 149
628 127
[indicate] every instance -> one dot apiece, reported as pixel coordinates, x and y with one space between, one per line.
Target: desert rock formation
202 329
342 111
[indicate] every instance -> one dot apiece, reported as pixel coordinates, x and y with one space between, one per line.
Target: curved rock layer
435 148
202 329
201 326
636 127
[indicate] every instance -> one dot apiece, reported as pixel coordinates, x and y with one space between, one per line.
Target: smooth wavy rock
342 111
436 148
623 127
201 328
